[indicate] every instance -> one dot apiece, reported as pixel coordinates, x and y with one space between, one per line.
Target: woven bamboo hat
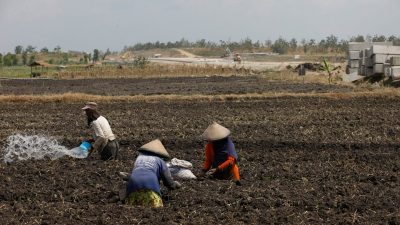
90 105
155 147
215 132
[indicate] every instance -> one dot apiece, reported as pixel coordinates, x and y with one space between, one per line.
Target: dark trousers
110 151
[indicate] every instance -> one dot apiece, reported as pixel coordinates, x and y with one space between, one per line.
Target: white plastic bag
180 169
78 152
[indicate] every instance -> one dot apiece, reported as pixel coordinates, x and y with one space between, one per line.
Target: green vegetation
330 44
141 62
15 71
96 54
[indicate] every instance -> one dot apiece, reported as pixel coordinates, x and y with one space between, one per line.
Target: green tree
18 49
108 52
140 62
44 50
293 44
268 43
358 38
247 44
332 41
394 39
85 58
32 59
7 59
65 58
57 49
378 38
14 60
96 55
30 49
201 43
280 46
1 60
24 57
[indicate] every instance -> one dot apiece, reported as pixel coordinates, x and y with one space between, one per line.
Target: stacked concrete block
384 56
369 71
378 69
353 64
394 61
381 59
394 67
385 50
361 63
369 61
395 72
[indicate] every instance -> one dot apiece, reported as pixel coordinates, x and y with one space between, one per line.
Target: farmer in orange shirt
221 156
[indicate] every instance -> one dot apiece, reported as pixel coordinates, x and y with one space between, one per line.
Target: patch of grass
81 97
15 71
151 70
311 77
113 71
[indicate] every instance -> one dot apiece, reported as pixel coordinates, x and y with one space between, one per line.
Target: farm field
211 85
303 159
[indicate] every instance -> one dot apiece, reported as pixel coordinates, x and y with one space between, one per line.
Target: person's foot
238 183
123 175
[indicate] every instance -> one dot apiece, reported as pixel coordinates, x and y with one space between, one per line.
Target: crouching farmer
221 156
143 187
104 140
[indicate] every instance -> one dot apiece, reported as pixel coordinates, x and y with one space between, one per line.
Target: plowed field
303 160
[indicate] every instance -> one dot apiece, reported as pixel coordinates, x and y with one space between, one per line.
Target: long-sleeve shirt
220 154
147 173
102 132
102 128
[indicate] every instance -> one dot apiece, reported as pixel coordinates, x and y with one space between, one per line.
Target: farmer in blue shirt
144 182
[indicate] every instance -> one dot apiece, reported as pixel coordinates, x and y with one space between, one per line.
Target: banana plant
327 68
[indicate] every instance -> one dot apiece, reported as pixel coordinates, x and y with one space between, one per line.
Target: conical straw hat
155 147
215 132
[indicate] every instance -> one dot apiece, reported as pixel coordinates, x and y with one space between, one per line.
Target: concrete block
378 69
353 70
361 54
368 53
369 72
362 70
385 50
379 58
368 62
354 55
362 61
358 46
353 63
395 61
395 72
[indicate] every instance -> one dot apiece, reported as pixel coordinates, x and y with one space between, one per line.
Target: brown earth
304 160
152 86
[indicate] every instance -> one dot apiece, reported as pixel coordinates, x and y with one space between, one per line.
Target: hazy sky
89 24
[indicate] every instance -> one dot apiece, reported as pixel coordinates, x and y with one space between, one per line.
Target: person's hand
202 173
211 172
177 185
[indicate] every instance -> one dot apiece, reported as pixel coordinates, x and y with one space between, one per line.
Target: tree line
282 46
27 55
330 44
